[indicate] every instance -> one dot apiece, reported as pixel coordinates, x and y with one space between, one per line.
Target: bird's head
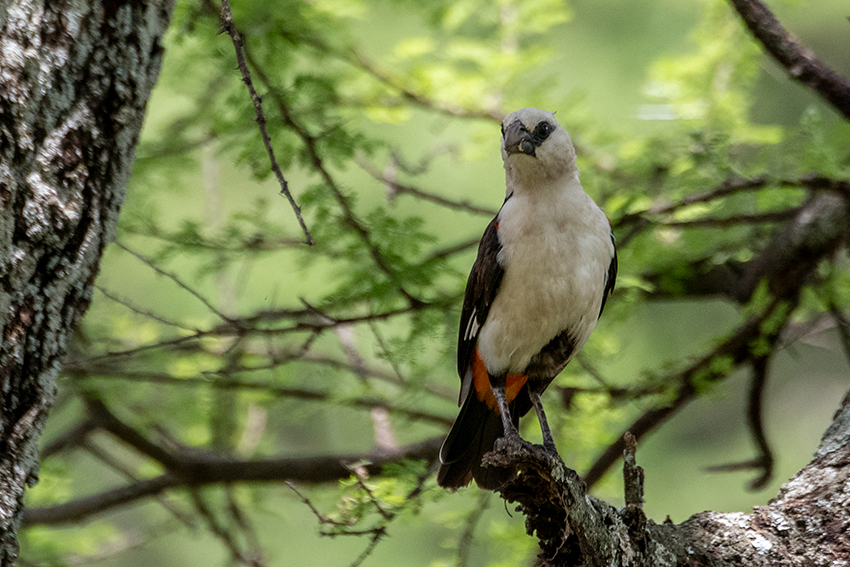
535 148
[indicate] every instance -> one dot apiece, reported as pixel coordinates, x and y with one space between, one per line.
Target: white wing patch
472 327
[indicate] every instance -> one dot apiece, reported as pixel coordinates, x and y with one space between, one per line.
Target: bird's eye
543 130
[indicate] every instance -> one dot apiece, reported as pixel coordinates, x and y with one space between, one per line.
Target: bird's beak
518 139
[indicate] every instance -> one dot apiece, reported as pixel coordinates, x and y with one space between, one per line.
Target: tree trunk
74 81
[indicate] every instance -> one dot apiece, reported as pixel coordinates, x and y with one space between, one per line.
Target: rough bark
805 525
75 77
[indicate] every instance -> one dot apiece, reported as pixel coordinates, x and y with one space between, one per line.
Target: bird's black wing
481 289
610 277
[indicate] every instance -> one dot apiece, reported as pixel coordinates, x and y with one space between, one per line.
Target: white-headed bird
546 264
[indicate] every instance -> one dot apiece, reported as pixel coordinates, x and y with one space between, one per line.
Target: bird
545 268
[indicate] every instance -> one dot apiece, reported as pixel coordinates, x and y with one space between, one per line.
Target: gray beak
518 139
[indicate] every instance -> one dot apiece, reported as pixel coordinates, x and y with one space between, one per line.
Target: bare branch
734 220
736 348
452 250
323 519
222 533
755 419
639 221
113 463
199 468
70 438
800 63
238 44
218 380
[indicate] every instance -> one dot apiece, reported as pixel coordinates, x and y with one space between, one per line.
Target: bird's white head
536 149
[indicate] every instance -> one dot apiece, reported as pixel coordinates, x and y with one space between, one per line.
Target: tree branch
800 63
792 255
230 28
196 468
348 215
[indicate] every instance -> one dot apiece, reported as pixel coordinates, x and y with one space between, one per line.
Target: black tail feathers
473 434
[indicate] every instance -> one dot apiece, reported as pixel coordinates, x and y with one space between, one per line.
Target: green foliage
229 334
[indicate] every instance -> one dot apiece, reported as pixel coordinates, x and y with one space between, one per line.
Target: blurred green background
608 68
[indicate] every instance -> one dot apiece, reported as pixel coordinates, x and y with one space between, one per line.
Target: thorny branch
238 46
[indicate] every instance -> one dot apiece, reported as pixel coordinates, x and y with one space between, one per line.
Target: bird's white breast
556 251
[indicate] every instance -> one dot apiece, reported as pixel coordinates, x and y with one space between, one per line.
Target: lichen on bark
74 81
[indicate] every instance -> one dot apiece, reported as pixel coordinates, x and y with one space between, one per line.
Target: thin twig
411 96
843 325
324 520
173 277
728 187
453 249
220 380
396 187
221 532
734 220
143 312
238 44
755 420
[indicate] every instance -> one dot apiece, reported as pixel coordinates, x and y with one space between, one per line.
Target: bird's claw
551 450
512 445
515 446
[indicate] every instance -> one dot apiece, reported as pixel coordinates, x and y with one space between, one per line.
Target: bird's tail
473 434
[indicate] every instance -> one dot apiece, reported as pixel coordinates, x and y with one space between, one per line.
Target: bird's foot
550 448
513 444
514 447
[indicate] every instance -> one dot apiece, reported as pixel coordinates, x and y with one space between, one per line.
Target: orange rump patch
481 382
